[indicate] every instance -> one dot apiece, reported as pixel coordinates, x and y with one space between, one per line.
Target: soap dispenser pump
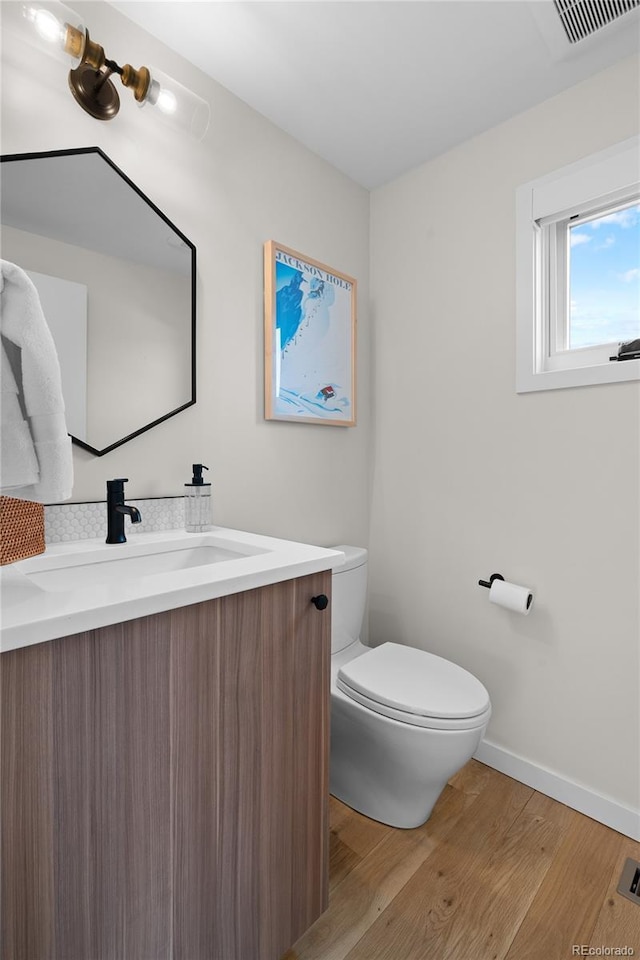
197 502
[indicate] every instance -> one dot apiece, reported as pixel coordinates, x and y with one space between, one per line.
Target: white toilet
403 721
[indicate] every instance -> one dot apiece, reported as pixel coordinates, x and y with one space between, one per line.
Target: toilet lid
415 682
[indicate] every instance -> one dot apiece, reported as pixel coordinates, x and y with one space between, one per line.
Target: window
578 272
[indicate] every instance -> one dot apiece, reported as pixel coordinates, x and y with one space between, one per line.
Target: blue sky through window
604 279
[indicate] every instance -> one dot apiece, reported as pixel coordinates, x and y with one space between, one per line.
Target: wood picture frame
310 339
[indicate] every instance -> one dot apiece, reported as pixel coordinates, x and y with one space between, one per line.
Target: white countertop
72 587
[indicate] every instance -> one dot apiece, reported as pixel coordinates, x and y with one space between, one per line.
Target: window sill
610 372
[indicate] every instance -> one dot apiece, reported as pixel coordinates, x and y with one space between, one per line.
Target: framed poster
310 339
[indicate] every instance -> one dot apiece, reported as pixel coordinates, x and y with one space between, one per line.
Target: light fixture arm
104 74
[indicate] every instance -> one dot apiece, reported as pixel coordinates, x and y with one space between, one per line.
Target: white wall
247 182
469 478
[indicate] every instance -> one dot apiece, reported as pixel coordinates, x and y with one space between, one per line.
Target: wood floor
499 872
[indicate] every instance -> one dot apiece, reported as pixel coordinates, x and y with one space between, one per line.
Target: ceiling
377 87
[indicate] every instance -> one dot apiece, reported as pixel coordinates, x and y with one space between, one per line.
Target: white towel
34 432
19 465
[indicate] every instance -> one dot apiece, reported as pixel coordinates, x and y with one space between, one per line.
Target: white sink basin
130 561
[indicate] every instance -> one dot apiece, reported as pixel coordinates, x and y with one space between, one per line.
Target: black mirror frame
7 158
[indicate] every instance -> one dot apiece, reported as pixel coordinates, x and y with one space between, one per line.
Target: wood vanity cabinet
164 783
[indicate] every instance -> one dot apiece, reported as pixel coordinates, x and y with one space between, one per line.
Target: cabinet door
27 910
251 855
85 796
294 759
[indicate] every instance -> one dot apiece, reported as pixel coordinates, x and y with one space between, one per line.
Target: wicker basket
21 529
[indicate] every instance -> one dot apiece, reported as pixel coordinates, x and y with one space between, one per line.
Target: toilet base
391 771
382 814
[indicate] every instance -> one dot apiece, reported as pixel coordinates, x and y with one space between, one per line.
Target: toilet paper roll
511 596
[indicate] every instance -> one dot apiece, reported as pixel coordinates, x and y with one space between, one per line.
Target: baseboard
623 819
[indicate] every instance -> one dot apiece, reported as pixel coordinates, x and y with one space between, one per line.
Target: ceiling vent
582 18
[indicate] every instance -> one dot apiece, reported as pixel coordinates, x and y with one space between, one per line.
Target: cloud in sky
630 275
622 218
578 238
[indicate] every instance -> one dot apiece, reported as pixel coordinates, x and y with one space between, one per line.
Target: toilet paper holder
487 583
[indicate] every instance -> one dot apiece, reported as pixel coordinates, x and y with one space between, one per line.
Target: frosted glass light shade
54 29
177 105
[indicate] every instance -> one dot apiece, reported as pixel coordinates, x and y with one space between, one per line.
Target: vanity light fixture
57 30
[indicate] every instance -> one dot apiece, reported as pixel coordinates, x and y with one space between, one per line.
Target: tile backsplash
82 521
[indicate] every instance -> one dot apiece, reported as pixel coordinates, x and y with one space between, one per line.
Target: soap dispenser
197 502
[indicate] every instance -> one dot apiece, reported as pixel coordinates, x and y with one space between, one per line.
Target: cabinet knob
321 602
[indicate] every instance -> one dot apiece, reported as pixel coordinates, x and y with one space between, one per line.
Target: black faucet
116 511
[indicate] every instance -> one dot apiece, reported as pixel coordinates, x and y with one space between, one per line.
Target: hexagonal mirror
116 281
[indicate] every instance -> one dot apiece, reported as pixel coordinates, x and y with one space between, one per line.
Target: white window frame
543 207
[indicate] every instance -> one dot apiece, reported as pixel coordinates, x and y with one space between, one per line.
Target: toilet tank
349 594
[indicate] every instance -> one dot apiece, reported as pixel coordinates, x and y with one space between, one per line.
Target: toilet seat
415 687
